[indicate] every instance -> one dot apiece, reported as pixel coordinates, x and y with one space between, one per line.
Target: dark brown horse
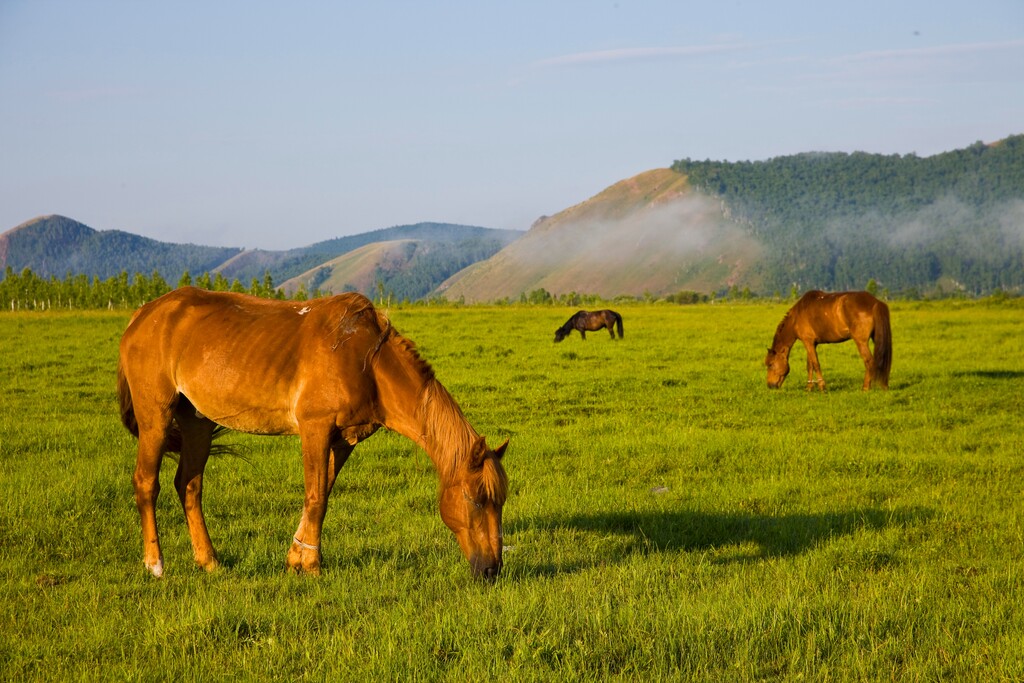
820 318
590 321
330 370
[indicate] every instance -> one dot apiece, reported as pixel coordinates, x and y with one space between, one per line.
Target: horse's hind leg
146 482
869 362
197 436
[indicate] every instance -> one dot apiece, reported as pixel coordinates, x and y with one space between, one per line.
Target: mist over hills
649 234
949 223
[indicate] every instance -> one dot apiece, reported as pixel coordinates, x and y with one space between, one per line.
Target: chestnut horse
820 318
590 321
330 370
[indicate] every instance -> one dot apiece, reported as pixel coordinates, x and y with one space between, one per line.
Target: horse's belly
244 416
258 423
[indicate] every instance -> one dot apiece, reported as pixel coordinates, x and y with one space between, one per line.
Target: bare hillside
650 233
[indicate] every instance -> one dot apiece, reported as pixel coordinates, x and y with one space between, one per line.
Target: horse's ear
478 452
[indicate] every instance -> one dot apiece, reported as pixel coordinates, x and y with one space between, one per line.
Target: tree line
26 291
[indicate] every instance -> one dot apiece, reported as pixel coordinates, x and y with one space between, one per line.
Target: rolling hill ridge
950 223
54 246
650 233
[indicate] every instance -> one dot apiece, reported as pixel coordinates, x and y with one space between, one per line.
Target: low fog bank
680 229
945 221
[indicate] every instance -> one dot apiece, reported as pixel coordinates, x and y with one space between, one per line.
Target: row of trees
28 291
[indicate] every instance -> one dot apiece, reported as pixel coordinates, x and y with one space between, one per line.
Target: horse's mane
569 325
782 324
452 439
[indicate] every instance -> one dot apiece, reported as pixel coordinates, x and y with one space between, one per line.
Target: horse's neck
449 434
785 334
418 407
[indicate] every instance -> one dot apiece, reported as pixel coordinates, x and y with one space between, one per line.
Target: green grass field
669 517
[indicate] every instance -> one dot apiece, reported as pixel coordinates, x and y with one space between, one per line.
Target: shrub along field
668 516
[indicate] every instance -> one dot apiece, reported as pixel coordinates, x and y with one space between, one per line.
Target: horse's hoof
299 570
156 569
296 565
211 565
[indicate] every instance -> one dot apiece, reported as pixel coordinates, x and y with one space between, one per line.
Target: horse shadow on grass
615 536
755 536
990 374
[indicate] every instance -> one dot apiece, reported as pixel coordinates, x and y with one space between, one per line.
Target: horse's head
561 333
471 507
777 363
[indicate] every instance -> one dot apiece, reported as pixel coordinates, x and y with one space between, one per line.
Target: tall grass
669 516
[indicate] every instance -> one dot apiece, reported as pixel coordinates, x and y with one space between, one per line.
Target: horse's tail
618 324
883 344
124 395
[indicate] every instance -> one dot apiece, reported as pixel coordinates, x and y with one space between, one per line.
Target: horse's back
230 317
834 316
244 361
860 307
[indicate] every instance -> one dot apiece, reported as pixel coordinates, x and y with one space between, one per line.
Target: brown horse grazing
331 370
590 321
820 318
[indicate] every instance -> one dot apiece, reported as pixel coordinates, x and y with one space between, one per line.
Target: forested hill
948 223
56 246
952 221
294 262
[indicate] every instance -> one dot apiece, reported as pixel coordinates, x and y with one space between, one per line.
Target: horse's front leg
304 554
813 367
583 333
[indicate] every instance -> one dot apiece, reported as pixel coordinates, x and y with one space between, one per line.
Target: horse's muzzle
482 569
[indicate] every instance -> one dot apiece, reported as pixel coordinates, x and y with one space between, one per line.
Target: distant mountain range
408 261
952 222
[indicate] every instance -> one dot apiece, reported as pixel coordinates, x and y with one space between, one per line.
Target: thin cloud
637 54
934 51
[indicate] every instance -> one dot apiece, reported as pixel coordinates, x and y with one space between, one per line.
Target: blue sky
278 124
